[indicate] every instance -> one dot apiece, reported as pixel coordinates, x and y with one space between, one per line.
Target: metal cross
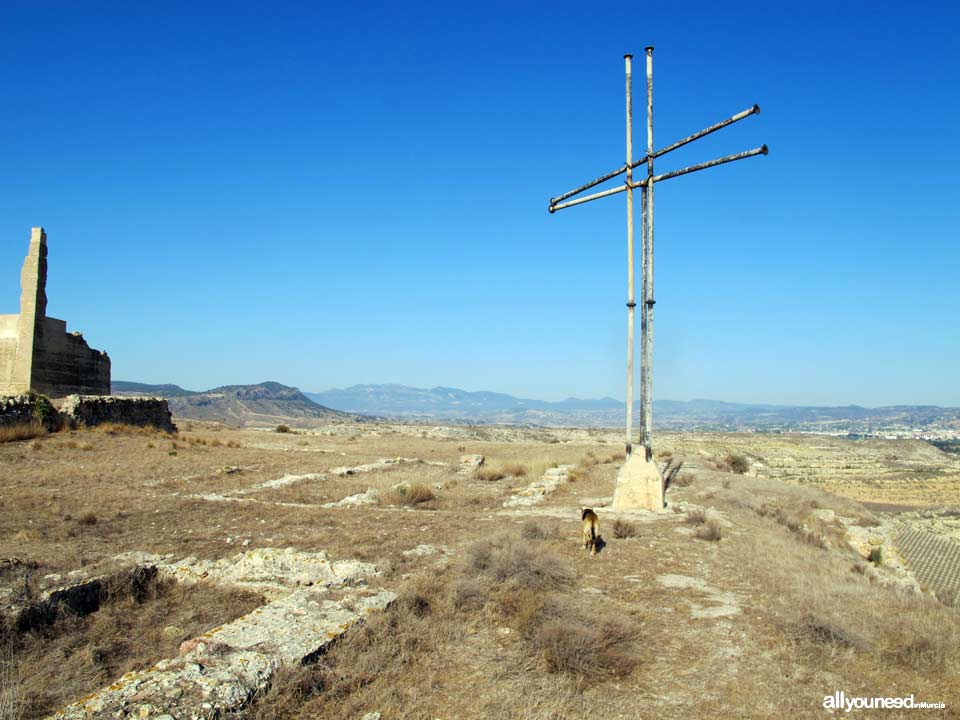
646 234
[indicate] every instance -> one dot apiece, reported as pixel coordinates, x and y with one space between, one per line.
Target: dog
590 530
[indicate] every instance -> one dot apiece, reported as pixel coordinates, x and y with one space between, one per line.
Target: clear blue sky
330 194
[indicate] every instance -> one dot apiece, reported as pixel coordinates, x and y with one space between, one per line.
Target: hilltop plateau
786 569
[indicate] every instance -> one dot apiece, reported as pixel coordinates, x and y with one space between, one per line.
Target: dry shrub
576 474
533 531
617 457
710 530
624 529
805 527
21 431
283 428
587 651
488 474
682 480
826 632
736 463
406 496
88 518
695 517
233 444
506 561
515 469
470 594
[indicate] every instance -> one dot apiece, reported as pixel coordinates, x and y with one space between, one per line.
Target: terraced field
900 472
935 561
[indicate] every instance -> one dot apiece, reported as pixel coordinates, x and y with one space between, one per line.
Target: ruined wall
94 410
65 365
36 352
18 409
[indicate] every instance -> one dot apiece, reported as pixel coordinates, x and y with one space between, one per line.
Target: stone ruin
36 352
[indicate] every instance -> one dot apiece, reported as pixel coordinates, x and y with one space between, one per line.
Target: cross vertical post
646 340
631 305
640 483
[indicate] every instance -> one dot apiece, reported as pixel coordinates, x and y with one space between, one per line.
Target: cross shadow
669 473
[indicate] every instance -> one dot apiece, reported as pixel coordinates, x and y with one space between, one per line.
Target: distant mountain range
264 404
456 405
270 402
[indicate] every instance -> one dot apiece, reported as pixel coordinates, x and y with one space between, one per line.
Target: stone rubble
469 463
221 670
535 492
368 497
379 465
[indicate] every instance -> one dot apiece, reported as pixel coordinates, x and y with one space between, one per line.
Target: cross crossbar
646 186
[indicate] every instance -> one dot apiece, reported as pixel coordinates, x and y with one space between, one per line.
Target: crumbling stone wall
93 410
18 409
36 352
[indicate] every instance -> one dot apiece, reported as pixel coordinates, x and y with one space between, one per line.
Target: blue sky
330 194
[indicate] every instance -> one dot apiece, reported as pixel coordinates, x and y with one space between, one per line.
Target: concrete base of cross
639 485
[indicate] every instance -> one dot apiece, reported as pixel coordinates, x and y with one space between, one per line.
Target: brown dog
590 530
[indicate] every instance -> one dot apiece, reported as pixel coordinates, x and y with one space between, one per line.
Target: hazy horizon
522 396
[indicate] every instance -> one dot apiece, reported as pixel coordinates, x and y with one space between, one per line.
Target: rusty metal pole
631 305
646 401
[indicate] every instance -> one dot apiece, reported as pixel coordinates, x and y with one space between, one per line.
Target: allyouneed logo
840 701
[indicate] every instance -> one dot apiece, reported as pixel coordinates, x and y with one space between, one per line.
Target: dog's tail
593 532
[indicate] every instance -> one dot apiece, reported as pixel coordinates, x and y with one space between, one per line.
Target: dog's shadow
599 544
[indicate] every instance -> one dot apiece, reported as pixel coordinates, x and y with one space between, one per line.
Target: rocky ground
458 590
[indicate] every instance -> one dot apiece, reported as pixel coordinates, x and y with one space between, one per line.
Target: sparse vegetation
44 669
710 530
408 496
736 463
533 531
498 631
15 432
282 428
624 529
695 517
486 473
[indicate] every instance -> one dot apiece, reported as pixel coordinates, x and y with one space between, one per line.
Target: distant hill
122 387
401 400
264 404
456 405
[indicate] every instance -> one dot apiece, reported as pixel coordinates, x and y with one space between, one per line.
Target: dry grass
488 474
808 529
533 531
46 668
710 530
624 529
736 463
598 649
21 431
406 495
682 479
507 561
695 517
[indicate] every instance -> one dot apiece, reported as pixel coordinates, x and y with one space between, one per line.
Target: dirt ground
761 621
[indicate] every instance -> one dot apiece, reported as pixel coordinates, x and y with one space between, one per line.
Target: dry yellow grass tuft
21 431
406 495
